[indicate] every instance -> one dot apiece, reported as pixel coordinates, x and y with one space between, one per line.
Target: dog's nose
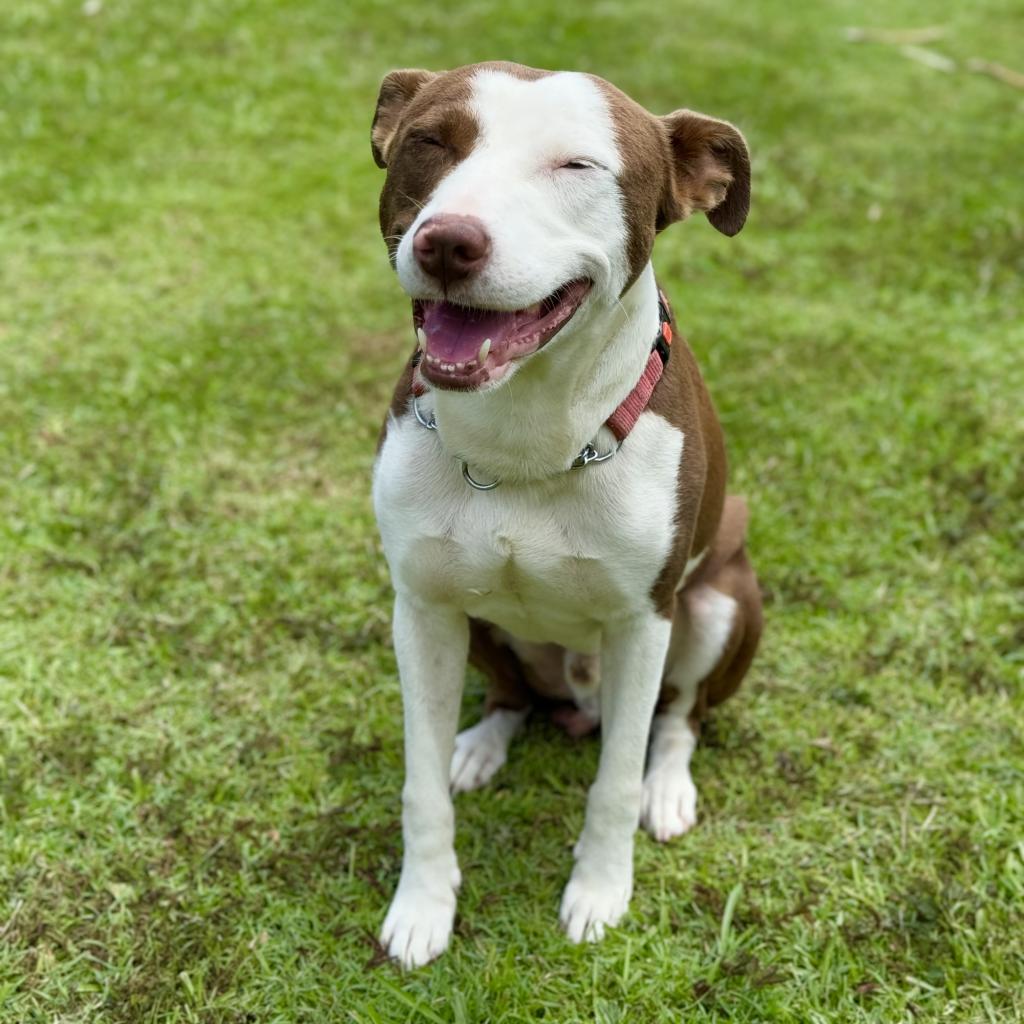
452 247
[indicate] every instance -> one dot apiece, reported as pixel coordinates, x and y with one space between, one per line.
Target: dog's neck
535 425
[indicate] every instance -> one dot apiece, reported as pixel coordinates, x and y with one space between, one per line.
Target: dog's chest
549 562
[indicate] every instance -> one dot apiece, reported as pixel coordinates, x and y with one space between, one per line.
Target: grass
200 762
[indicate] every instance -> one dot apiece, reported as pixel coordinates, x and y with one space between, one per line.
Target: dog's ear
397 89
710 172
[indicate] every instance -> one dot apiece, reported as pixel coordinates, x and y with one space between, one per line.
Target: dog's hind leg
714 636
483 748
583 680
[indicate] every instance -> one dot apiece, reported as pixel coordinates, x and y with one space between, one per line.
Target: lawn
200 757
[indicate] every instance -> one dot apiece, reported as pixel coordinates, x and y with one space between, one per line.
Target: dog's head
520 203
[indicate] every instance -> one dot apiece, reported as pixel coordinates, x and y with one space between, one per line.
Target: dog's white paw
594 900
479 753
669 804
419 924
481 750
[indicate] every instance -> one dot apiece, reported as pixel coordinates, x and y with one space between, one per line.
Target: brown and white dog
520 211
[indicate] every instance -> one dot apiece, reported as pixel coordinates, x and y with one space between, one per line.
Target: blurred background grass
199 717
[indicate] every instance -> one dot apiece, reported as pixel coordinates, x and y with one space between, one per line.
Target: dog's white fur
548 226
558 556
669 804
482 749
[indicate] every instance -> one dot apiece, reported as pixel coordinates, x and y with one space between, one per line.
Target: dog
550 478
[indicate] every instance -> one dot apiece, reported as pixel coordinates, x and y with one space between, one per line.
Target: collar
621 421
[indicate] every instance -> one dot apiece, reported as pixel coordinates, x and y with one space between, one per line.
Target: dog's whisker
415 202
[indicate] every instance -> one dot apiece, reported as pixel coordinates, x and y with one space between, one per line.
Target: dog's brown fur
673 166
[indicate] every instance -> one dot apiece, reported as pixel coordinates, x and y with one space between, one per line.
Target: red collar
624 418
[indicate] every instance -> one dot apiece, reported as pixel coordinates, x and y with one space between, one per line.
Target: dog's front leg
431 644
632 660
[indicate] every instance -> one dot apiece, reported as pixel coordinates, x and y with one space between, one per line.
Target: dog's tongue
455 333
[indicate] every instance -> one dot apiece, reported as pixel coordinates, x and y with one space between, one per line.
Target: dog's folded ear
397 89
710 172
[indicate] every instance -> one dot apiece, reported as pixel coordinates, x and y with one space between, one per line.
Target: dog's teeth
460 366
421 337
484 349
432 359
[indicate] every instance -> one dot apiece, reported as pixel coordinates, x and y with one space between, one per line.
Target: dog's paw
594 900
481 750
479 753
669 804
418 924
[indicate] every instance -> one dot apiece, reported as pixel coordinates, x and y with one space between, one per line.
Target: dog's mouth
465 348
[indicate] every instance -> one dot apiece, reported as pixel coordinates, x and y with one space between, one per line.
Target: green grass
200 756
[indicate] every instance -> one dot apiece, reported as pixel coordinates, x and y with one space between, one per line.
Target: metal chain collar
588 456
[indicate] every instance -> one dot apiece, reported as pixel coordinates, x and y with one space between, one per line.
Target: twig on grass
929 58
911 43
998 71
896 36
